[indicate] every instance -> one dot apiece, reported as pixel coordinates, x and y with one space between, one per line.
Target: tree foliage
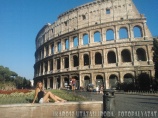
156 57
6 75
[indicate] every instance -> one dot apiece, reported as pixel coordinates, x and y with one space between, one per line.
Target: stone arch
99 80
66 81
113 81
109 35
85 39
75 41
77 83
111 57
87 81
59 46
123 33
66 44
137 30
141 54
97 36
75 61
58 63
66 62
98 58
86 59
126 55
128 78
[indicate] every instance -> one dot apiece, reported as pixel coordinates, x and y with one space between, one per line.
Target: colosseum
103 42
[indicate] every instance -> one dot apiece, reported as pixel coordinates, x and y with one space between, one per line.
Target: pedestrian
101 89
73 84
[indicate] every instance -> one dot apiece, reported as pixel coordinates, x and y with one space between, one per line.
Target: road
130 106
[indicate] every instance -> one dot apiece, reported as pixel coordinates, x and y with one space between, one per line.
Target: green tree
156 57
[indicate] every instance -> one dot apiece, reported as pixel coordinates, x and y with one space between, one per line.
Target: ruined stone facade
101 42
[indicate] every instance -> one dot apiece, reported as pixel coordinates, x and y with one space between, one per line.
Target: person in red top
73 83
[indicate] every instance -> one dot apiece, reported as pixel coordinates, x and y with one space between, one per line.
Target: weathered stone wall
98 16
52 110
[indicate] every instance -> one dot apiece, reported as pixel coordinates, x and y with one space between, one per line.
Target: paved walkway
141 106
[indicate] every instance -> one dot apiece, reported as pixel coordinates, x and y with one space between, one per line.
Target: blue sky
20 21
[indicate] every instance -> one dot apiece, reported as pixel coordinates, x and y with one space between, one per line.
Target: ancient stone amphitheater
104 42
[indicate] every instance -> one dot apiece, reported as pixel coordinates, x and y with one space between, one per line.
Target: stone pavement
141 106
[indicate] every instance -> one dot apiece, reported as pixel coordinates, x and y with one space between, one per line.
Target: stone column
149 54
54 83
54 64
70 63
81 80
134 56
131 34
93 80
49 46
61 63
92 59
80 59
144 30
43 68
104 36
48 83
116 33
40 69
70 43
118 56
80 39
55 47
43 84
44 51
106 81
105 58
91 38
48 65
62 45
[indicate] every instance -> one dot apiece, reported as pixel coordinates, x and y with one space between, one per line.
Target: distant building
101 42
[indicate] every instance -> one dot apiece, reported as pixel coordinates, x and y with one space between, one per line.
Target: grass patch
16 97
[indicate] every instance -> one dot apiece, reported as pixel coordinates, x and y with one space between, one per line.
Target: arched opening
123 33
97 36
58 64
46 66
99 80
66 62
111 57
75 41
51 82
45 83
58 83
126 56
51 64
52 49
75 60
85 39
86 59
86 81
59 46
47 51
113 81
98 58
66 44
66 82
128 78
77 82
141 55
109 35
137 30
